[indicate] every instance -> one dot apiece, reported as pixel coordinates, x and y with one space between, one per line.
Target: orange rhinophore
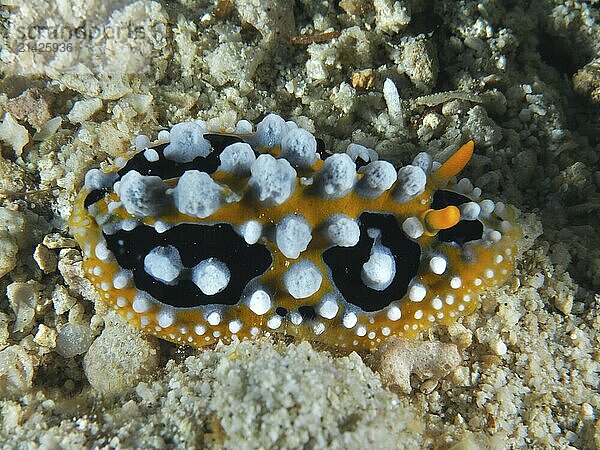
442 219
455 163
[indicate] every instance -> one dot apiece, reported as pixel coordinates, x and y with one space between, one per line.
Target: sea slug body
204 235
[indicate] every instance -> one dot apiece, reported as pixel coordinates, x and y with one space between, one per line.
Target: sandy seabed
79 79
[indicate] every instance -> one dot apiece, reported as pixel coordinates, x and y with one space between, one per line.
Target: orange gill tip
455 163
441 219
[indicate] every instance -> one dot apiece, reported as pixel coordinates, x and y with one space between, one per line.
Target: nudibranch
203 235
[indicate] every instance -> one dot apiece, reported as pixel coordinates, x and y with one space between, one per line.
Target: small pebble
73 339
119 359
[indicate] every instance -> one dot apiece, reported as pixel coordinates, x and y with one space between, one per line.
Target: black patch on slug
442 198
346 263
166 168
195 242
307 313
220 141
94 196
280 311
321 149
463 231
